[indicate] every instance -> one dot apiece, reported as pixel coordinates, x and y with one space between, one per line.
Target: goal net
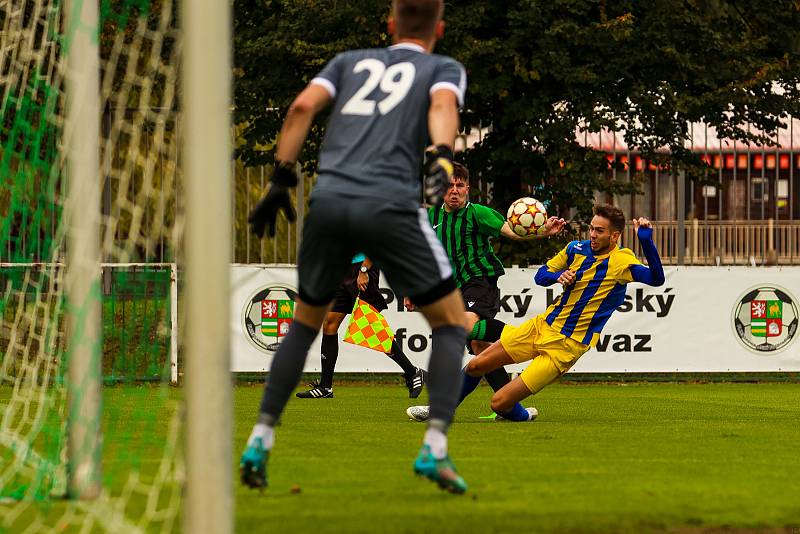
139 223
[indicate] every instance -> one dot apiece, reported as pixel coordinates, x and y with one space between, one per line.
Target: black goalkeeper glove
277 198
437 173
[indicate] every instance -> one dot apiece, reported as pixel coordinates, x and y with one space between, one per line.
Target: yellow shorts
552 353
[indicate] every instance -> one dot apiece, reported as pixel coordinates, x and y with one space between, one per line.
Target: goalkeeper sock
487 330
329 352
436 439
497 378
468 385
398 357
287 366
265 432
444 377
516 413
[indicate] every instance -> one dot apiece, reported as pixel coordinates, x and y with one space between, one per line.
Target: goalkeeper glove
277 198
437 173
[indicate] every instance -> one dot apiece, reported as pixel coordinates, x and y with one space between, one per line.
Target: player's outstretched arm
293 134
653 274
552 226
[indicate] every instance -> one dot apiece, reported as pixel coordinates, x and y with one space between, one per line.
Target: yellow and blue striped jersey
583 309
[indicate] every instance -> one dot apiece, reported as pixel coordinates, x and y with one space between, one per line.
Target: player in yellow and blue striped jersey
594 274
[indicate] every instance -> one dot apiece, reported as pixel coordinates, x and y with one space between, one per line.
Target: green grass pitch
600 458
641 457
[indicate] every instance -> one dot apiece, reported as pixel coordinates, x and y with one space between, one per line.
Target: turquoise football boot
443 472
253 465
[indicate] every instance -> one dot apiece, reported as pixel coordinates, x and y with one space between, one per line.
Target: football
527 216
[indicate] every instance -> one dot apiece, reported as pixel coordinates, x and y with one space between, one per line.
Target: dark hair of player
460 172
417 18
613 214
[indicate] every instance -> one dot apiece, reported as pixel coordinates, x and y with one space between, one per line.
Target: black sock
444 368
497 378
402 360
287 367
487 330
330 352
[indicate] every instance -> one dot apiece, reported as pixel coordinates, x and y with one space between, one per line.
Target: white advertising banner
703 319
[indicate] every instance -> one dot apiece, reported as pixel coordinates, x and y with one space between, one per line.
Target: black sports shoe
415 382
315 392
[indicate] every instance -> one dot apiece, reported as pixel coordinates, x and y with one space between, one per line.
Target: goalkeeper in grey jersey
387 105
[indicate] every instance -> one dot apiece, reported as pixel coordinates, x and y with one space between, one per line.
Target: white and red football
527 216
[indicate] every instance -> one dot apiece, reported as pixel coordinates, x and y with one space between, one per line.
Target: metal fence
753 211
767 242
751 182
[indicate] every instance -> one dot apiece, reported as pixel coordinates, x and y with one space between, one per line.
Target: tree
279 46
541 70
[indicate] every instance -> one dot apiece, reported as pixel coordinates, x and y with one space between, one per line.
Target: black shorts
482 297
397 237
345 297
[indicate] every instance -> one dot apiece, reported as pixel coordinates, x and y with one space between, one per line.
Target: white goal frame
82 273
206 93
207 151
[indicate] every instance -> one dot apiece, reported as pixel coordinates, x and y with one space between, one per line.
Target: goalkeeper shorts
396 236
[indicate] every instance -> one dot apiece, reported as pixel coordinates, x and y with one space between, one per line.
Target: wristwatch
364 268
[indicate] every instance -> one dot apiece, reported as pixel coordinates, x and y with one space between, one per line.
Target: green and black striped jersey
466 235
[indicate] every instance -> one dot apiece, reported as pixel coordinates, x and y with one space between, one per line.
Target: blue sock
468 385
517 413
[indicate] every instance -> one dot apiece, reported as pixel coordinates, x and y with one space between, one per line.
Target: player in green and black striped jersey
466 230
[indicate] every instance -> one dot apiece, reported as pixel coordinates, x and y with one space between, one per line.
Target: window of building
783 188
760 190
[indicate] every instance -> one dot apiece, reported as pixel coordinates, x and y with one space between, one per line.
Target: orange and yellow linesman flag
368 328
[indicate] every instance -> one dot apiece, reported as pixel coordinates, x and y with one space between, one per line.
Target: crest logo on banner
267 315
765 319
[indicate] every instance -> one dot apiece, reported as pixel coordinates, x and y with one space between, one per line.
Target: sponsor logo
765 319
470 304
267 315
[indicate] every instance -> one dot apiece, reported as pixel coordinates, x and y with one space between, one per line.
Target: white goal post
82 275
206 156
118 150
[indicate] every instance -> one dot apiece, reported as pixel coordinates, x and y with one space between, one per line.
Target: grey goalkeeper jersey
378 129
